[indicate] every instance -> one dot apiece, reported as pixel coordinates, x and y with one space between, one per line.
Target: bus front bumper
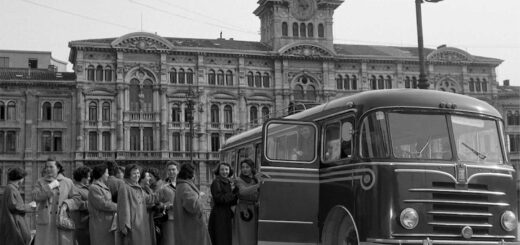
435 242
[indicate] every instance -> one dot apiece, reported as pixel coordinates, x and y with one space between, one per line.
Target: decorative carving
79 69
306 51
450 55
142 43
303 9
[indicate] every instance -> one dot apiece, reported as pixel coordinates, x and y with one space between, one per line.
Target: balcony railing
148 155
140 116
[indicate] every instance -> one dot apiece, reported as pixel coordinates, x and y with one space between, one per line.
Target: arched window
92 111
471 85
258 80
414 82
346 82
148 96
189 76
380 82
266 80
108 73
46 111
211 77
173 76
477 85
220 78
388 82
253 115
373 82
228 116
303 30
295 29
354 82
321 30
182 77
285 28
229 78
250 79
407 82
215 115
11 110
99 73
134 95
484 85
298 92
339 82
311 93
57 112
90 73
265 113
105 113
2 110
310 30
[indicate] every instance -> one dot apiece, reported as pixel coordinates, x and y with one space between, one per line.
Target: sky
480 27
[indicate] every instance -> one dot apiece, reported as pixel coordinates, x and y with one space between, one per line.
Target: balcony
141 116
148 155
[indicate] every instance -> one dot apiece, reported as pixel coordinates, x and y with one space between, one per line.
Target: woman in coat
14 228
220 219
188 207
50 193
132 200
246 213
144 182
81 176
167 196
101 208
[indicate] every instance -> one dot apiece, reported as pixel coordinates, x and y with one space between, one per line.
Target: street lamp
423 81
190 96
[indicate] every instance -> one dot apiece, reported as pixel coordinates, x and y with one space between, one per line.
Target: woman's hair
217 170
99 171
60 168
172 162
129 168
112 167
154 172
186 172
120 169
80 173
250 163
143 173
16 174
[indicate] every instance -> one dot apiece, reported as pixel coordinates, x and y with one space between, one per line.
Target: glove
32 204
54 184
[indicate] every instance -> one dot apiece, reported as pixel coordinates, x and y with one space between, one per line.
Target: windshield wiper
425 145
480 155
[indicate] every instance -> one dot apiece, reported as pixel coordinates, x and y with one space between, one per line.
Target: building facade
133 97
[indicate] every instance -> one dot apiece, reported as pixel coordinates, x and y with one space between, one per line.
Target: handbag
63 220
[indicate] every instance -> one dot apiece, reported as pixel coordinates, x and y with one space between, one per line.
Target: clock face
303 9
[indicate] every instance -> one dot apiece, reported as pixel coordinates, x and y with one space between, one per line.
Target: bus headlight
409 218
508 221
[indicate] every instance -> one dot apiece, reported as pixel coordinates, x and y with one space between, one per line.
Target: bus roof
388 98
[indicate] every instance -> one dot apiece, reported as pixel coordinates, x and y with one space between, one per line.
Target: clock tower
287 22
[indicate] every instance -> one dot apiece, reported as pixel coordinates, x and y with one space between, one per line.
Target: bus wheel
340 228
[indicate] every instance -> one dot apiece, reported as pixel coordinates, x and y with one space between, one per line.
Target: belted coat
101 210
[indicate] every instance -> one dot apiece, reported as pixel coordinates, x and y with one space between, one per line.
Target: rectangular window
135 139
57 141
148 139
92 141
514 143
2 141
106 141
46 141
4 61
215 142
33 63
187 140
176 142
10 141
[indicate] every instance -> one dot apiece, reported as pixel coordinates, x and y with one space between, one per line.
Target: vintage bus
384 167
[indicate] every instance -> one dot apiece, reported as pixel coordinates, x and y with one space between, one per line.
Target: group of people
109 204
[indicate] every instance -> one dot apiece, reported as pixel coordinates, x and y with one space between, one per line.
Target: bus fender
338 222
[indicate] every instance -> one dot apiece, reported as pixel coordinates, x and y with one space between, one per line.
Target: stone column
164 120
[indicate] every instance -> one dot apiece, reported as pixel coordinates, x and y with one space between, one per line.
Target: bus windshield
477 139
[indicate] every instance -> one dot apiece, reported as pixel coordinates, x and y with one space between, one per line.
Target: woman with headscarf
13 225
133 221
101 208
50 193
188 207
246 212
221 216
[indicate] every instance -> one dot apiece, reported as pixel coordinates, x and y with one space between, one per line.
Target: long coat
190 228
220 219
14 228
114 184
246 213
101 209
167 197
81 216
132 201
48 203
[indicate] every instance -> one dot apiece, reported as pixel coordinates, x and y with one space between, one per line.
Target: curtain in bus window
419 136
374 136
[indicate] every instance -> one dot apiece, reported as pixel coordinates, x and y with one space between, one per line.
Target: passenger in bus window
304 150
246 214
346 140
220 218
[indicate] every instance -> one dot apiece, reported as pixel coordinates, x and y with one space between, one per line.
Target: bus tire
340 228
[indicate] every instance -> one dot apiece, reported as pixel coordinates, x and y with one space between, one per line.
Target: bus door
288 202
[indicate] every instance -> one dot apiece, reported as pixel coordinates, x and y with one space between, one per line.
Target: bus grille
452 208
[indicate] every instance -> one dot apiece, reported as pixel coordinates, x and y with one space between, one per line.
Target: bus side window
331 143
346 138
